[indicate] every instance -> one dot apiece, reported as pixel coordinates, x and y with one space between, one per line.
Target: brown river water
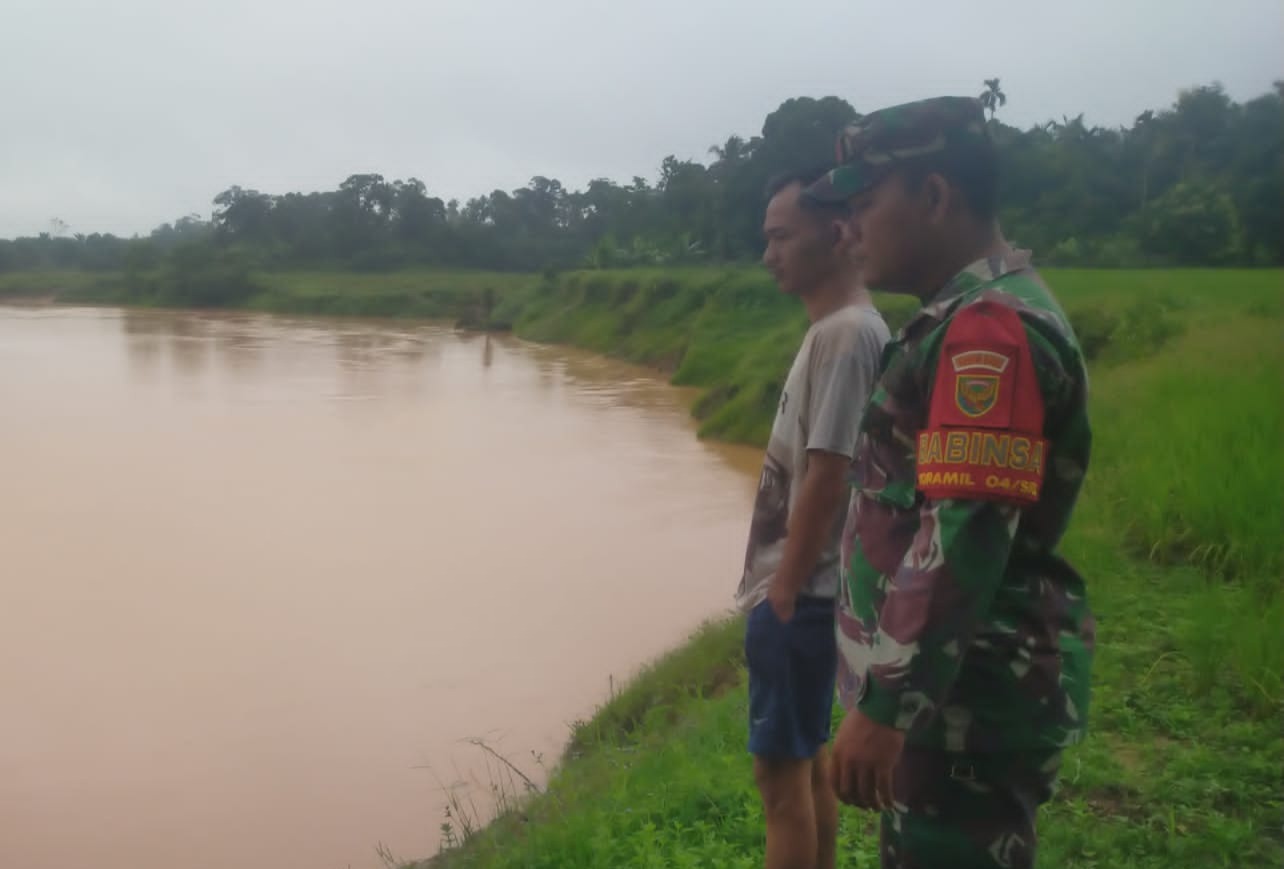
260 577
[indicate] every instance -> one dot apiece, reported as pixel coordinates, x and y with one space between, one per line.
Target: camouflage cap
870 148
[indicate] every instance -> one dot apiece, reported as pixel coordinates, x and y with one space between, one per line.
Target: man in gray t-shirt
791 561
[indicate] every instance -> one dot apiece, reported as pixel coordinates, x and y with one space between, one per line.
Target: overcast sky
117 115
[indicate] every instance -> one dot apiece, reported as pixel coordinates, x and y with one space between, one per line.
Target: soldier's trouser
966 811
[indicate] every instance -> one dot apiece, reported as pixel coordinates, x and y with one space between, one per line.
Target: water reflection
189 346
144 331
371 359
238 344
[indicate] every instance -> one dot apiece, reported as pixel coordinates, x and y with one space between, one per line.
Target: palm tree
992 97
1143 131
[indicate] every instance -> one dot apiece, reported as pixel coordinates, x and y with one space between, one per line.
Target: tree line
1198 183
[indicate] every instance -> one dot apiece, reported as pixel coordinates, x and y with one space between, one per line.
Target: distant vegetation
1198 183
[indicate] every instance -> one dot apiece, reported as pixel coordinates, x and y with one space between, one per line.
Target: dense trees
1200 182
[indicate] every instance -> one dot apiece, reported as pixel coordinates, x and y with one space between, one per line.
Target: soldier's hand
865 755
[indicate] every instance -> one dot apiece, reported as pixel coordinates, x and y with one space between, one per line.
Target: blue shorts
792 667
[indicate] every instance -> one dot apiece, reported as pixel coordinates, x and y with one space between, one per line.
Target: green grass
1216 393
423 293
41 283
1189 464
728 331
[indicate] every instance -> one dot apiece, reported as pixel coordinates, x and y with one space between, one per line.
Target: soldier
965 640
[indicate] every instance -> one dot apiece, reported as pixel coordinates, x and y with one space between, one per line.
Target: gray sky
117 115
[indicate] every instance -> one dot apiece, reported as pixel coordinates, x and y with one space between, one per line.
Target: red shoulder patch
984 436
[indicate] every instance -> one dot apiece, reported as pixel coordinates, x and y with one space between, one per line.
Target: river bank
1177 533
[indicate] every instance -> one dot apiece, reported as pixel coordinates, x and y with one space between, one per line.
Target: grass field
1178 533
419 293
431 294
726 330
51 282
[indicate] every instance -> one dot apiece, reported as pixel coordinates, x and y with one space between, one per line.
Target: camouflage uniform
958 622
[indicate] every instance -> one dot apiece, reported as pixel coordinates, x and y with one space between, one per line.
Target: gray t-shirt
820 409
